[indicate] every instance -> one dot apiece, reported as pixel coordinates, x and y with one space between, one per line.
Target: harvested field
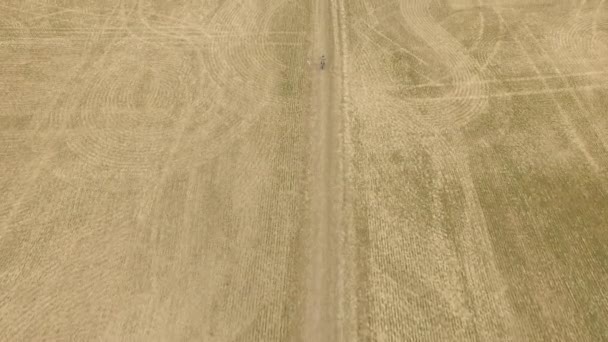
185 171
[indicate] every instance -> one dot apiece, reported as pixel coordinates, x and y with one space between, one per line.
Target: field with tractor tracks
186 170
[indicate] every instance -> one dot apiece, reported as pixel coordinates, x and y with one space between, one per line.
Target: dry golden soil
185 171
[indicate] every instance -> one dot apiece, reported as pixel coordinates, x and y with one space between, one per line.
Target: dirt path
323 283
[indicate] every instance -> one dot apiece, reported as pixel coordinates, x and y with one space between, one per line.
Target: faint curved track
462 94
110 95
127 102
468 99
243 54
486 43
580 43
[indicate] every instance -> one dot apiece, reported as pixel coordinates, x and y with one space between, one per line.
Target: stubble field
185 171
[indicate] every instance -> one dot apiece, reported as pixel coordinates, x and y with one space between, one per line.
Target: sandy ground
184 171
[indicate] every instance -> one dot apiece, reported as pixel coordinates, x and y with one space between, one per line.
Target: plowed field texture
304 170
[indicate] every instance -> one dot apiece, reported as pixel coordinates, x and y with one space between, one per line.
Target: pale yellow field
184 171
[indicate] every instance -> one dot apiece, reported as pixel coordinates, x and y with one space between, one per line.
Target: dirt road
319 319
323 318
